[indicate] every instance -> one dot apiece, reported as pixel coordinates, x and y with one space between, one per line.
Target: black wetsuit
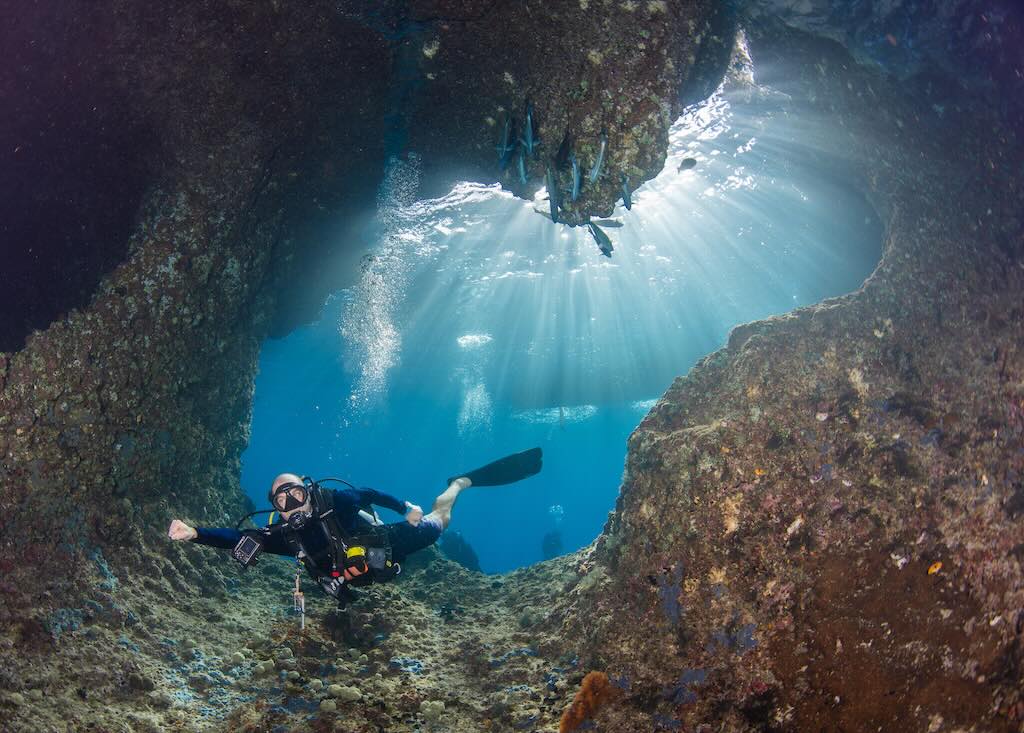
404 537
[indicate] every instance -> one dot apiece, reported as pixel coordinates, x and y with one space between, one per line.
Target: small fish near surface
507 145
545 214
627 196
608 223
528 139
554 194
603 242
595 170
687 164
506 159
576 177
522 169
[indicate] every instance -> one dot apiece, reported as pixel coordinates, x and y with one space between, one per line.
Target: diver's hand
414 515
181 531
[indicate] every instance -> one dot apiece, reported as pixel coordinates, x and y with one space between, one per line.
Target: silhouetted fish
504 160
687 164
603 242
576 178
528 140
595 170
608 223
507 145
627 197
554 194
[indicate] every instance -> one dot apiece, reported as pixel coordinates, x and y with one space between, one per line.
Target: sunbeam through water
480 327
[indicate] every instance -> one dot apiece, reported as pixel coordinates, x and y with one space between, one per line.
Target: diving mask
289 497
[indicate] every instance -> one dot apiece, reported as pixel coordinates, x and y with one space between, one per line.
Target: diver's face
293 499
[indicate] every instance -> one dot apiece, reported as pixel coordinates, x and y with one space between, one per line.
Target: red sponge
595 690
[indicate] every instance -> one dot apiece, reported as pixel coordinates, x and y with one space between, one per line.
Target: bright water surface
481 328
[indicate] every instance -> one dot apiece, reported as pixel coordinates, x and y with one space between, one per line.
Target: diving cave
819 525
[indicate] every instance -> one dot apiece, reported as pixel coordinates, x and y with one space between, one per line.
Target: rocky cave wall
257 119
782 503
586 68
820 526
134 407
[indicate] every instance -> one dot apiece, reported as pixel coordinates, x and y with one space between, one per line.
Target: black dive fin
505 470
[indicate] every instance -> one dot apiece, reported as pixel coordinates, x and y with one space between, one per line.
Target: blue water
480 328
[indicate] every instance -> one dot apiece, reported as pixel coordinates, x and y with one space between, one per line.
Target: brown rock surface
588 66
139 402
785 502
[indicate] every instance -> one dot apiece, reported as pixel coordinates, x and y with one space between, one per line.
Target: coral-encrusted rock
112 100
820 525
263 117
972 44
585 65
135 409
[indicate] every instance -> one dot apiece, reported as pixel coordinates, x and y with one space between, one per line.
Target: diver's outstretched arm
180 531
223 537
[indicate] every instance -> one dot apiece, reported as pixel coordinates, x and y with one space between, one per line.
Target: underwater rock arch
738 561
267 123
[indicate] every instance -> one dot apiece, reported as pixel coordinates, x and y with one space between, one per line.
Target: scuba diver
336 534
